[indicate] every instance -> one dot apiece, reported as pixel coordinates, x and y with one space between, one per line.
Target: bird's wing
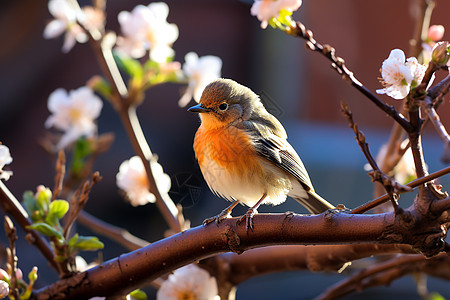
272 145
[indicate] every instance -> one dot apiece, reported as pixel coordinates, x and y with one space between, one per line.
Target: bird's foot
224 214
248 217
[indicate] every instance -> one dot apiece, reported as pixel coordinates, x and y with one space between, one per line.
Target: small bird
244 155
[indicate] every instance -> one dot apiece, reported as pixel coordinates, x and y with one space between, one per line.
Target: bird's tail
314 203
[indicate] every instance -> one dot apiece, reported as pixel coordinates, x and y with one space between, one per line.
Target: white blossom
5 159
4 289
74 113
400 74
132 179
200 71
145 28
189 282
265 10
65 21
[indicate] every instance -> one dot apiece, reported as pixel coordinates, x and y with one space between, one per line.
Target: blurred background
298 87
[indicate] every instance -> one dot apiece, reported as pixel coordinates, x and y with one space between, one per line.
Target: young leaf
131 66
58 208
88 243
45 229
30 202
101 86
73 240
81 151
138 295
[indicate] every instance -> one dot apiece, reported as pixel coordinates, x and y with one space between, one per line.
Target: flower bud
19 274
43 197
4 289
440 54
436 33
4 275
32 276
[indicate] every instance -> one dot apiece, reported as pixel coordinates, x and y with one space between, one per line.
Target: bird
244 155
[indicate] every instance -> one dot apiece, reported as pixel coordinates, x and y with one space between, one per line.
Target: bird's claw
248 217
224 214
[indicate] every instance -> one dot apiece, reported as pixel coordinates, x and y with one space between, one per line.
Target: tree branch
421 28
419 181
315 258
130 270
380 274
392 187
297 29
122 103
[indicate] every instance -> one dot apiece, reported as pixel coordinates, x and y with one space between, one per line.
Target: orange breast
228 147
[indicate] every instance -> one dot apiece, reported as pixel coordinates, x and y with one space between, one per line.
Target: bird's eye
223 106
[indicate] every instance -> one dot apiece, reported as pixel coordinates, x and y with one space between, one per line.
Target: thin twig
60 172
392 187
421 28
297 29
11 233
419 181
435 120
127 112
164 203
79 200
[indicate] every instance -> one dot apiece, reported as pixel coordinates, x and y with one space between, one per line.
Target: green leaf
101 86
436 296
30 202
138 295
151 65
58 208
131 66
88 243
73 240
45 229
81 151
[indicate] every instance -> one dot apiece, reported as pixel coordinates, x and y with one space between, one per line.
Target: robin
244 155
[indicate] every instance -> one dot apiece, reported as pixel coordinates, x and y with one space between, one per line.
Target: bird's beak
199 108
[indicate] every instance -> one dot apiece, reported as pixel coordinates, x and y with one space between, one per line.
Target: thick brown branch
11 206
130 270
318 258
